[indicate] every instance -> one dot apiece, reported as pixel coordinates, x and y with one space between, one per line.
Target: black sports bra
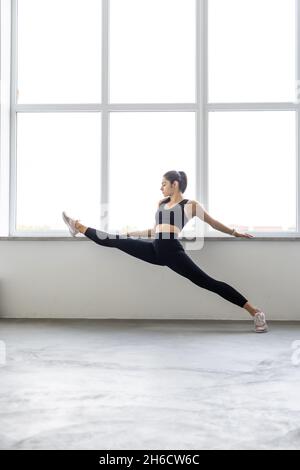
173 216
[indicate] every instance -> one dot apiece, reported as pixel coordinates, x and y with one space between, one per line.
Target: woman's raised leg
140 249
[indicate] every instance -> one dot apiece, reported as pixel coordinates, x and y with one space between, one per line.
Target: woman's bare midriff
166 228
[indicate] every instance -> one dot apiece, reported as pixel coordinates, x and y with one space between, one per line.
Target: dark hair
179 176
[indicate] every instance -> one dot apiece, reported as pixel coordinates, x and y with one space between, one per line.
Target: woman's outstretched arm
198 210
148 233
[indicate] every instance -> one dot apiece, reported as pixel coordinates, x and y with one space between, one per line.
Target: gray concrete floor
149 384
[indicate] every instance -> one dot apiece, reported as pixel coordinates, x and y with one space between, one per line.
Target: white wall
78 279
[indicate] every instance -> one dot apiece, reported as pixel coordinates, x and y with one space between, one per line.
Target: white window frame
200 108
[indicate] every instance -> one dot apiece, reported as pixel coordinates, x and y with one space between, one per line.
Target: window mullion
104 189
297 19
13 120
201 101
5 84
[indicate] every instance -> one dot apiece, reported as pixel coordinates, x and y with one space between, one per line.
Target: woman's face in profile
166 187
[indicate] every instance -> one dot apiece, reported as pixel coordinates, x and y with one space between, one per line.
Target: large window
136 179
59 51
58 166
107 95
251 50
252 159
252 169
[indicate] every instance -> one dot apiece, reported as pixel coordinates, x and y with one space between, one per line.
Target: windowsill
276 237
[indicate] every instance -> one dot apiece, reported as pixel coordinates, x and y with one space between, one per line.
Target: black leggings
166 252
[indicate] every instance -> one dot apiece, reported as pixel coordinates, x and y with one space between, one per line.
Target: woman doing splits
173 212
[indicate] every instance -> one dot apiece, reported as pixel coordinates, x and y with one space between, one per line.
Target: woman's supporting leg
140 249
251 309
181 263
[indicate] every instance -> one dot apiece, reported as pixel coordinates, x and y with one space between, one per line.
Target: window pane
252 176
59 51
58 168
143 147
251 50
152 44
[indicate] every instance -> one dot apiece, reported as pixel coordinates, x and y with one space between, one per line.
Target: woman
166 249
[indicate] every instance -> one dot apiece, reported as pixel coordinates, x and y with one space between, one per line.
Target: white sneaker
71 224
260 324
